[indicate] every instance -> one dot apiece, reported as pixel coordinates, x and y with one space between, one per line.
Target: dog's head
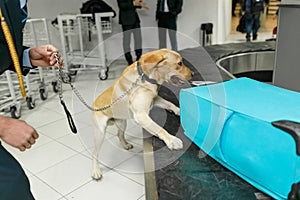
165 65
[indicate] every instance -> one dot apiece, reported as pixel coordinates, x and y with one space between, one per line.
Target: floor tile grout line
55 164
65 196
141 197
49 123
37 177
122 174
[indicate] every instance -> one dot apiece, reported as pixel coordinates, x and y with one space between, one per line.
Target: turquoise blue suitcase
249 127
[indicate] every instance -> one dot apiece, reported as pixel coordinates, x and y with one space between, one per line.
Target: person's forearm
3 121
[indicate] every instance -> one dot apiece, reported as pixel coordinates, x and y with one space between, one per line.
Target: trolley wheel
74 71
67 78
30 103
43 94
14 112
103 75
54 86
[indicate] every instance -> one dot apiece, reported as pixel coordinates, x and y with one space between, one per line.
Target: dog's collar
143 75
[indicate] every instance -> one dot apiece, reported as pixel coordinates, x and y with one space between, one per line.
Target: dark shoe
138 54
138 58
254 37
128 58
248 39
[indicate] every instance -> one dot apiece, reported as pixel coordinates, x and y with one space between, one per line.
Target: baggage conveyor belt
189 173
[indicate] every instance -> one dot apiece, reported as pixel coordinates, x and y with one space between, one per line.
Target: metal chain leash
63 77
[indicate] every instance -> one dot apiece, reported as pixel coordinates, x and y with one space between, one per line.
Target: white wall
194 13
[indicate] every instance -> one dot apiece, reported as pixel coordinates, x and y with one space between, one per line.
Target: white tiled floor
59 164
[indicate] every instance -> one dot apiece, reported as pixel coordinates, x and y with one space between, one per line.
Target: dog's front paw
176 111
174 143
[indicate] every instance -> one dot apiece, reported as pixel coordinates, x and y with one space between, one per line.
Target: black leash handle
69 117
60 80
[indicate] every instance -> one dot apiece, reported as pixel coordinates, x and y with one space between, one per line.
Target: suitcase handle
293 128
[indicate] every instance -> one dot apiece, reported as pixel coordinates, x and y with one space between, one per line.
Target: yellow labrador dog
133 95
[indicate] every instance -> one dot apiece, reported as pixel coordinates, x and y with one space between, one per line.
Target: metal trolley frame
37 33
9 98
79 27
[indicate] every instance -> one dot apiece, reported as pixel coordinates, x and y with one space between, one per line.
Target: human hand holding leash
42 56
17 133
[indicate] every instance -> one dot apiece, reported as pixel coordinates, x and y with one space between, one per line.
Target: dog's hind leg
100 121
121 124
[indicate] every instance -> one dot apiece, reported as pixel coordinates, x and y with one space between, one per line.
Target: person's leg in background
172 31
162 38
162 31
137 35
256 24
126 43
248 21
14 183
173 39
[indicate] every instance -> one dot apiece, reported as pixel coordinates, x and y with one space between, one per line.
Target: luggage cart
9 98
10 95
103 26
36 33
78 48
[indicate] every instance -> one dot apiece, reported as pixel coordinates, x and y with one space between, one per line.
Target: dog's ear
150 60
153 58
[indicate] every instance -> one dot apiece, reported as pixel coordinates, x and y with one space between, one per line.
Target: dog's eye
180 63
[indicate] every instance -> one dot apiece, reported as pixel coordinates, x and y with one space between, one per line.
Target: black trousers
167 23
134 30
14 184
